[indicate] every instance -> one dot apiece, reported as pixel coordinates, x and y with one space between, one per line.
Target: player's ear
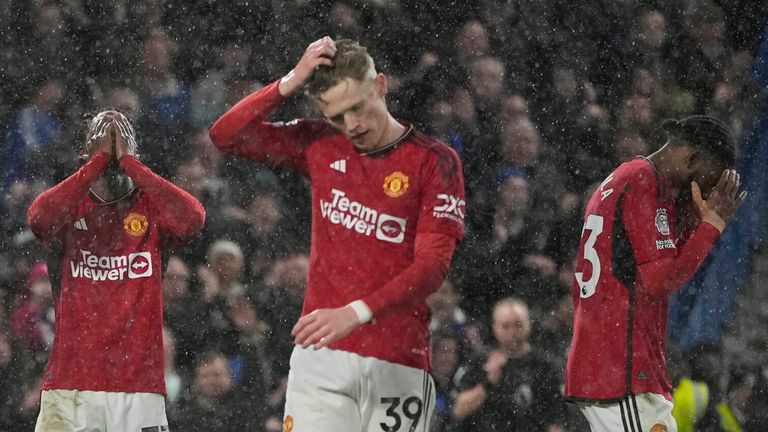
382 84
693 157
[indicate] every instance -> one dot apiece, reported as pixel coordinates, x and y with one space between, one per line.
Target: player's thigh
396 397
135 412
70 411
635 413
320 394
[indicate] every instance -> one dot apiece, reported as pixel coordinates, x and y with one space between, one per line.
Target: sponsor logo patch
339 165
450 207
395 184
112 268
135 224
665 244
662 221
356 216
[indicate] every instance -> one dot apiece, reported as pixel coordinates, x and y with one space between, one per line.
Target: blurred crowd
540 98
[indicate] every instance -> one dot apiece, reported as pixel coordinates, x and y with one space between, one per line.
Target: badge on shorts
659 427
288 424
662 221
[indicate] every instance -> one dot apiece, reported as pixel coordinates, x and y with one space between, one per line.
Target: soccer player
107 226
645 234
388 210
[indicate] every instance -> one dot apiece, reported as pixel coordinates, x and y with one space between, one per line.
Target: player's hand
101 136
324 327
125 140
319 52
721 204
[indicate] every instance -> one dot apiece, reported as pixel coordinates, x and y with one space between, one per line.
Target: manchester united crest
659 427
135 224
395 184
288 424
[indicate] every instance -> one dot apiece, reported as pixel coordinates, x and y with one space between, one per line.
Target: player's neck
392 132
664 162
111 187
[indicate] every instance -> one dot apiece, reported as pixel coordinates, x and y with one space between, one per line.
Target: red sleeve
664 264
244 131
54 208
443 202
665 276
180 214
432 258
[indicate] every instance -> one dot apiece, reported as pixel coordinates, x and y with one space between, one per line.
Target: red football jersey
619 328
366 213
106 268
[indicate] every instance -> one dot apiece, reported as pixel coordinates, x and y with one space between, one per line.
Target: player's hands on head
319 52
721 204
101 136
324 327
125 140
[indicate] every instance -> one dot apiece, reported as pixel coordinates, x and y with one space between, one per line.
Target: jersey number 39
593 225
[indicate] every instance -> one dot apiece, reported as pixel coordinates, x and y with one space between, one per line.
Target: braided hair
705 133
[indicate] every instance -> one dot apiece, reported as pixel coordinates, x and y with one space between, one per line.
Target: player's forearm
182 214
53 208
469 401
231 132
432 258
663 277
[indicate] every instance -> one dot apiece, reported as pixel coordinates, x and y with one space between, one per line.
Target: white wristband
362 311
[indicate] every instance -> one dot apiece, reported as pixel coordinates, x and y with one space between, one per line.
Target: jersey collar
391 146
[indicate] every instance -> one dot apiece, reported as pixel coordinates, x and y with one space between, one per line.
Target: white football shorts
645 412
333 391
98 411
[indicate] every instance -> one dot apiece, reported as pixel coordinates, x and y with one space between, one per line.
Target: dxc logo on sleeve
451 208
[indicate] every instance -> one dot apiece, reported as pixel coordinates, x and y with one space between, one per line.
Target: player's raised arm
53 209
665 276
181 214
245 131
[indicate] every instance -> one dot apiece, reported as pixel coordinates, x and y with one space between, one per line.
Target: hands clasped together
722 202
112 133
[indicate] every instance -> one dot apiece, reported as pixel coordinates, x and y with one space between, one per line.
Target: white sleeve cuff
362 311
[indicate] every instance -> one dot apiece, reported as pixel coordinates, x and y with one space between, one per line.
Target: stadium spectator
34 129
213 402
513 387
447 356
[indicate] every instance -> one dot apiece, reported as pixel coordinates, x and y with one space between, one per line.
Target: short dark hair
704 133
351 61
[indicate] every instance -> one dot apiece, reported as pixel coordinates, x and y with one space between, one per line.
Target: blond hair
351 61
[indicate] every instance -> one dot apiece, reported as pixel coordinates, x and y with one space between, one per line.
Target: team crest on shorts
659 427
135 224
395 184
662 221
288 424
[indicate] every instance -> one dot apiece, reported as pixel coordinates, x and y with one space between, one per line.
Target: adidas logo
340 165
80 224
